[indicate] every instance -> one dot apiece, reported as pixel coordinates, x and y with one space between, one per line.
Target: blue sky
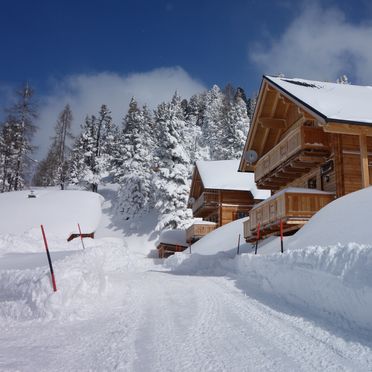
92 52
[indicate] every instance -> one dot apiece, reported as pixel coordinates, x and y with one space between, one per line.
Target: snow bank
333 282
343 221
325 269
82 282
59 212
223 239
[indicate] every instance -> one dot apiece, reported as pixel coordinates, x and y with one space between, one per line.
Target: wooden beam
272 123
355 130
364 160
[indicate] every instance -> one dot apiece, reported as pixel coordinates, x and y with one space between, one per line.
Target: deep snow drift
116 309
59 211
325 269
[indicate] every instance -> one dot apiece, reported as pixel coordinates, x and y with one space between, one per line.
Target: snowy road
116 309
165 322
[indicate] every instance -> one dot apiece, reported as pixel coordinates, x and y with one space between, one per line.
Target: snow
224 238
335 101
59 211
324 269
117 309
224 175
175 237
200 221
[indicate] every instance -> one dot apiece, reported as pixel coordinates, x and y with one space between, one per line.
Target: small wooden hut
170 242
220 194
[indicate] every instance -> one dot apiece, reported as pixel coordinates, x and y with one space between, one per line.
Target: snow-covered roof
224 175
335 102
174 237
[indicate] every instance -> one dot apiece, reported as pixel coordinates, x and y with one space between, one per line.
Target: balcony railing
313 142
206 199
198 230
293 206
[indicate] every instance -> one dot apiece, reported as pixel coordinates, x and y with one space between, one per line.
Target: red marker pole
81 237
281 236
49 259
258 237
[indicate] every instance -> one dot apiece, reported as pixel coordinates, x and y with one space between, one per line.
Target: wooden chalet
170 242
220 194
312 142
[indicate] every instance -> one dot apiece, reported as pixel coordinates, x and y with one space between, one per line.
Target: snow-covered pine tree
251 106
213 122
53 170
135 172
173 164
91 159
60 144
343 79
195 144
235 129
20 130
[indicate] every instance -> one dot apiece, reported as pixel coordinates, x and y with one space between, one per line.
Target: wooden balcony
293 206
301 150
198 230
206 201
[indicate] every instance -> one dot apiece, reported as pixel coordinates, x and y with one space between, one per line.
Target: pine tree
53 170
343 79
213 122
20 130
235 129
172 181
135 172
91 157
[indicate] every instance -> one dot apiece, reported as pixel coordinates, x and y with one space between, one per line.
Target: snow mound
332 282
59 211
345 220
223 239
82 282
175 237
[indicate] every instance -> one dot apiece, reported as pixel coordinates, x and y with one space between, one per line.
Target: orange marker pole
258 237
81 237
49 259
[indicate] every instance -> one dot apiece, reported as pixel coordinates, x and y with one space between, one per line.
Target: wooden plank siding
197 231
293 208
223 206
165 250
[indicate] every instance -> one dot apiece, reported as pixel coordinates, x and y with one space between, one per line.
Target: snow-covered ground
117 309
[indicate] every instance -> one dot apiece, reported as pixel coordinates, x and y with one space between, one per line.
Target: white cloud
319 44
86 93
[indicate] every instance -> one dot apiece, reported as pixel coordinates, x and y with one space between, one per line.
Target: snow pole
49 259
238 250
258 237
81 237
281 236
190 248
